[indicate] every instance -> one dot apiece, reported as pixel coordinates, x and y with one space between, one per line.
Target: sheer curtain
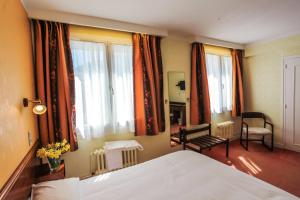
219 72
227 82
122 87
93 103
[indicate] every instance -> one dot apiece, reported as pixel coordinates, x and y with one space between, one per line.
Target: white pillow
63 189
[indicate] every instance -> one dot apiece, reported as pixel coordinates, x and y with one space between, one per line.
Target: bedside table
44 174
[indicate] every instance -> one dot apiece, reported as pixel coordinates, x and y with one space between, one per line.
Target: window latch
112 91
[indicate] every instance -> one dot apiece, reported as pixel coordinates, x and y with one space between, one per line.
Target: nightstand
44 174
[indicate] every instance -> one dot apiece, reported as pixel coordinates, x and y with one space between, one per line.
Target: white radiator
225 129
97 159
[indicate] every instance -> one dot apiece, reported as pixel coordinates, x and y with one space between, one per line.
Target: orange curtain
237 83
55 82
200 103
148 85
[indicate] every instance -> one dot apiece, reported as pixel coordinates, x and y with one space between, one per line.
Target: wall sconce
38 107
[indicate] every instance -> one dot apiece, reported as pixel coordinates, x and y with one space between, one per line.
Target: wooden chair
202 141
257 131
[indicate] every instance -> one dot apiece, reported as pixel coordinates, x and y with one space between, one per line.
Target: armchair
247 131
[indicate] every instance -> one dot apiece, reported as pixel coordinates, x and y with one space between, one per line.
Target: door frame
285 145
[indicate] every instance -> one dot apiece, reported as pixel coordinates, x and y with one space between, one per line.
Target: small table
44 173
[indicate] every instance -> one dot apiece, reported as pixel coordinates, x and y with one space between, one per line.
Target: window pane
227 82
91 88
213 66
219 73
122 84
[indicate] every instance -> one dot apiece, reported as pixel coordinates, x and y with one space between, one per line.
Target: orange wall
16 82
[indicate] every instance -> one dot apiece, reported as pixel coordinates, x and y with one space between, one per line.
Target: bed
181 175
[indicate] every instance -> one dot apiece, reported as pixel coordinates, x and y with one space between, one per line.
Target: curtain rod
96 22
219 43
205 40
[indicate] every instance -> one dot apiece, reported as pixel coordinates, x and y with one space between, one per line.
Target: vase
54 163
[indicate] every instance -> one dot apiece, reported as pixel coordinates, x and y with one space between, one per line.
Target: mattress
181 175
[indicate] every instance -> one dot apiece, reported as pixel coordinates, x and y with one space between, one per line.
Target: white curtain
226 82
219 72
93 103
103 88
122 87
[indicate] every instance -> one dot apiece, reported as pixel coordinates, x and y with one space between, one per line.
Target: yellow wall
263 78
16 82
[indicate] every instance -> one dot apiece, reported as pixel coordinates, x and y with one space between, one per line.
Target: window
219 73
103 88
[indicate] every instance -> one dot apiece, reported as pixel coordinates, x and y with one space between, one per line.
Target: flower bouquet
53 153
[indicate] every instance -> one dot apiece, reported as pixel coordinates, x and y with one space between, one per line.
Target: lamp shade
39 109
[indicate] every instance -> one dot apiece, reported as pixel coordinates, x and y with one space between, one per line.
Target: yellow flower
66 148
41 153
64 142
53 150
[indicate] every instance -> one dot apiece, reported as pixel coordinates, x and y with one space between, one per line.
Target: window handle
112 91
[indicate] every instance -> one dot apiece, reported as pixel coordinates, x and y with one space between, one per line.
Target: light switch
29 138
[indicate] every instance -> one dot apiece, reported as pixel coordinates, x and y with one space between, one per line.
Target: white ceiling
239 21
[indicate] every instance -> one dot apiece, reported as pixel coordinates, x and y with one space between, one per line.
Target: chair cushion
257 131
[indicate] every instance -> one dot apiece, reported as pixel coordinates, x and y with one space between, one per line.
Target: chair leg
245 146
272 142
271 146
227 147
241 137
242 143
247 141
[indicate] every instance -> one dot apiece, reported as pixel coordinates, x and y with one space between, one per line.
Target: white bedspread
182 175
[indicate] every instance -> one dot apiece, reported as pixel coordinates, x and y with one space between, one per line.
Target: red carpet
280 168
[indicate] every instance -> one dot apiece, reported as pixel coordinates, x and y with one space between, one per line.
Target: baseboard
276 144
292 148
279 145
235 137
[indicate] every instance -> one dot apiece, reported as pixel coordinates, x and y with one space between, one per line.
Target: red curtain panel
55 82
200 104
148 85
237 83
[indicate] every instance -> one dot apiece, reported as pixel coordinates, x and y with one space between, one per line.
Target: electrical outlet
29 138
